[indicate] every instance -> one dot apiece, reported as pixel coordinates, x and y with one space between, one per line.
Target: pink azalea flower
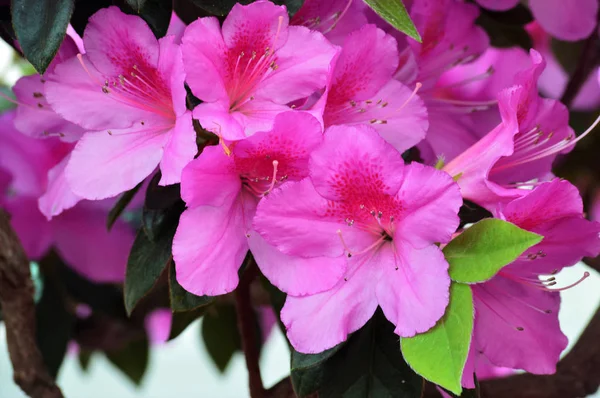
34 116
521 148
362 90
128 92
553 80
221 193
79 235
450 39
516 312
248 70
363 205
336 19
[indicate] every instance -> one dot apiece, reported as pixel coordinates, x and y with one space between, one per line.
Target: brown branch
246 326
18 310
588 60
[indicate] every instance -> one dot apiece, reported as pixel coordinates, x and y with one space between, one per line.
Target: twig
16 298
246 326
588 60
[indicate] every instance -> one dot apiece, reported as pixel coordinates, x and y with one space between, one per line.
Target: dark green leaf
369 364
181 299
84 358
157 13
84 9
439 355
40 26
221 336
181 320
132 360
222 7
120 206
54 322
519 15
567 53
394 12
478 253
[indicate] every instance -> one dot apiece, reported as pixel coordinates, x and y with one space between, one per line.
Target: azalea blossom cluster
345 151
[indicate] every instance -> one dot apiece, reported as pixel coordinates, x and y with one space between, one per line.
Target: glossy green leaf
221 336
181 320
395 13
181 299
369 364
157 13
478 253
439 355
121 205
132 360
222 7
40 26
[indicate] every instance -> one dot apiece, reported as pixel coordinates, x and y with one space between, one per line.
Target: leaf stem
246 326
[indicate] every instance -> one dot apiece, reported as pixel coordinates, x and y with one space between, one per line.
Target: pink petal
258 25
176 28
35 117
296 276
58 196
170 65
413 288
215 117
207 259
77 96
103 165
115 41
258 115
302 67
430 200
500 307
204 59
32 228
84 243
498 5
210 179
158 323
298 221
179 150
343 166
571 23
398 116
320 321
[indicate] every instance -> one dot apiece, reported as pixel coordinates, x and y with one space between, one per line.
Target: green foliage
221 336
40 26
369 364
439 355
157 13
132 360
181 299
121 205
222 7
478 253
507 28
395 13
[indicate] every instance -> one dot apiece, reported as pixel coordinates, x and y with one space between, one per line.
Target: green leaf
181 320
132 360
181 299
40 26
84 359
395 13
369 364
121 205
221 336
156 13
478 253
146 263
439 355
222 7
504 35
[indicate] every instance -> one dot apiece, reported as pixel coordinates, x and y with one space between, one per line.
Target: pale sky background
182 368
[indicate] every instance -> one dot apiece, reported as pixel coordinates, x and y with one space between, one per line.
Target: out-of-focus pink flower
516 312
336 19
553 80
221 193
520 149
34 116
363 205
128 92
362 90
79 235
248 70
158 325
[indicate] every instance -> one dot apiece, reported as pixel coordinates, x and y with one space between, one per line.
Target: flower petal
566 23
58 196
216 118
179 150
